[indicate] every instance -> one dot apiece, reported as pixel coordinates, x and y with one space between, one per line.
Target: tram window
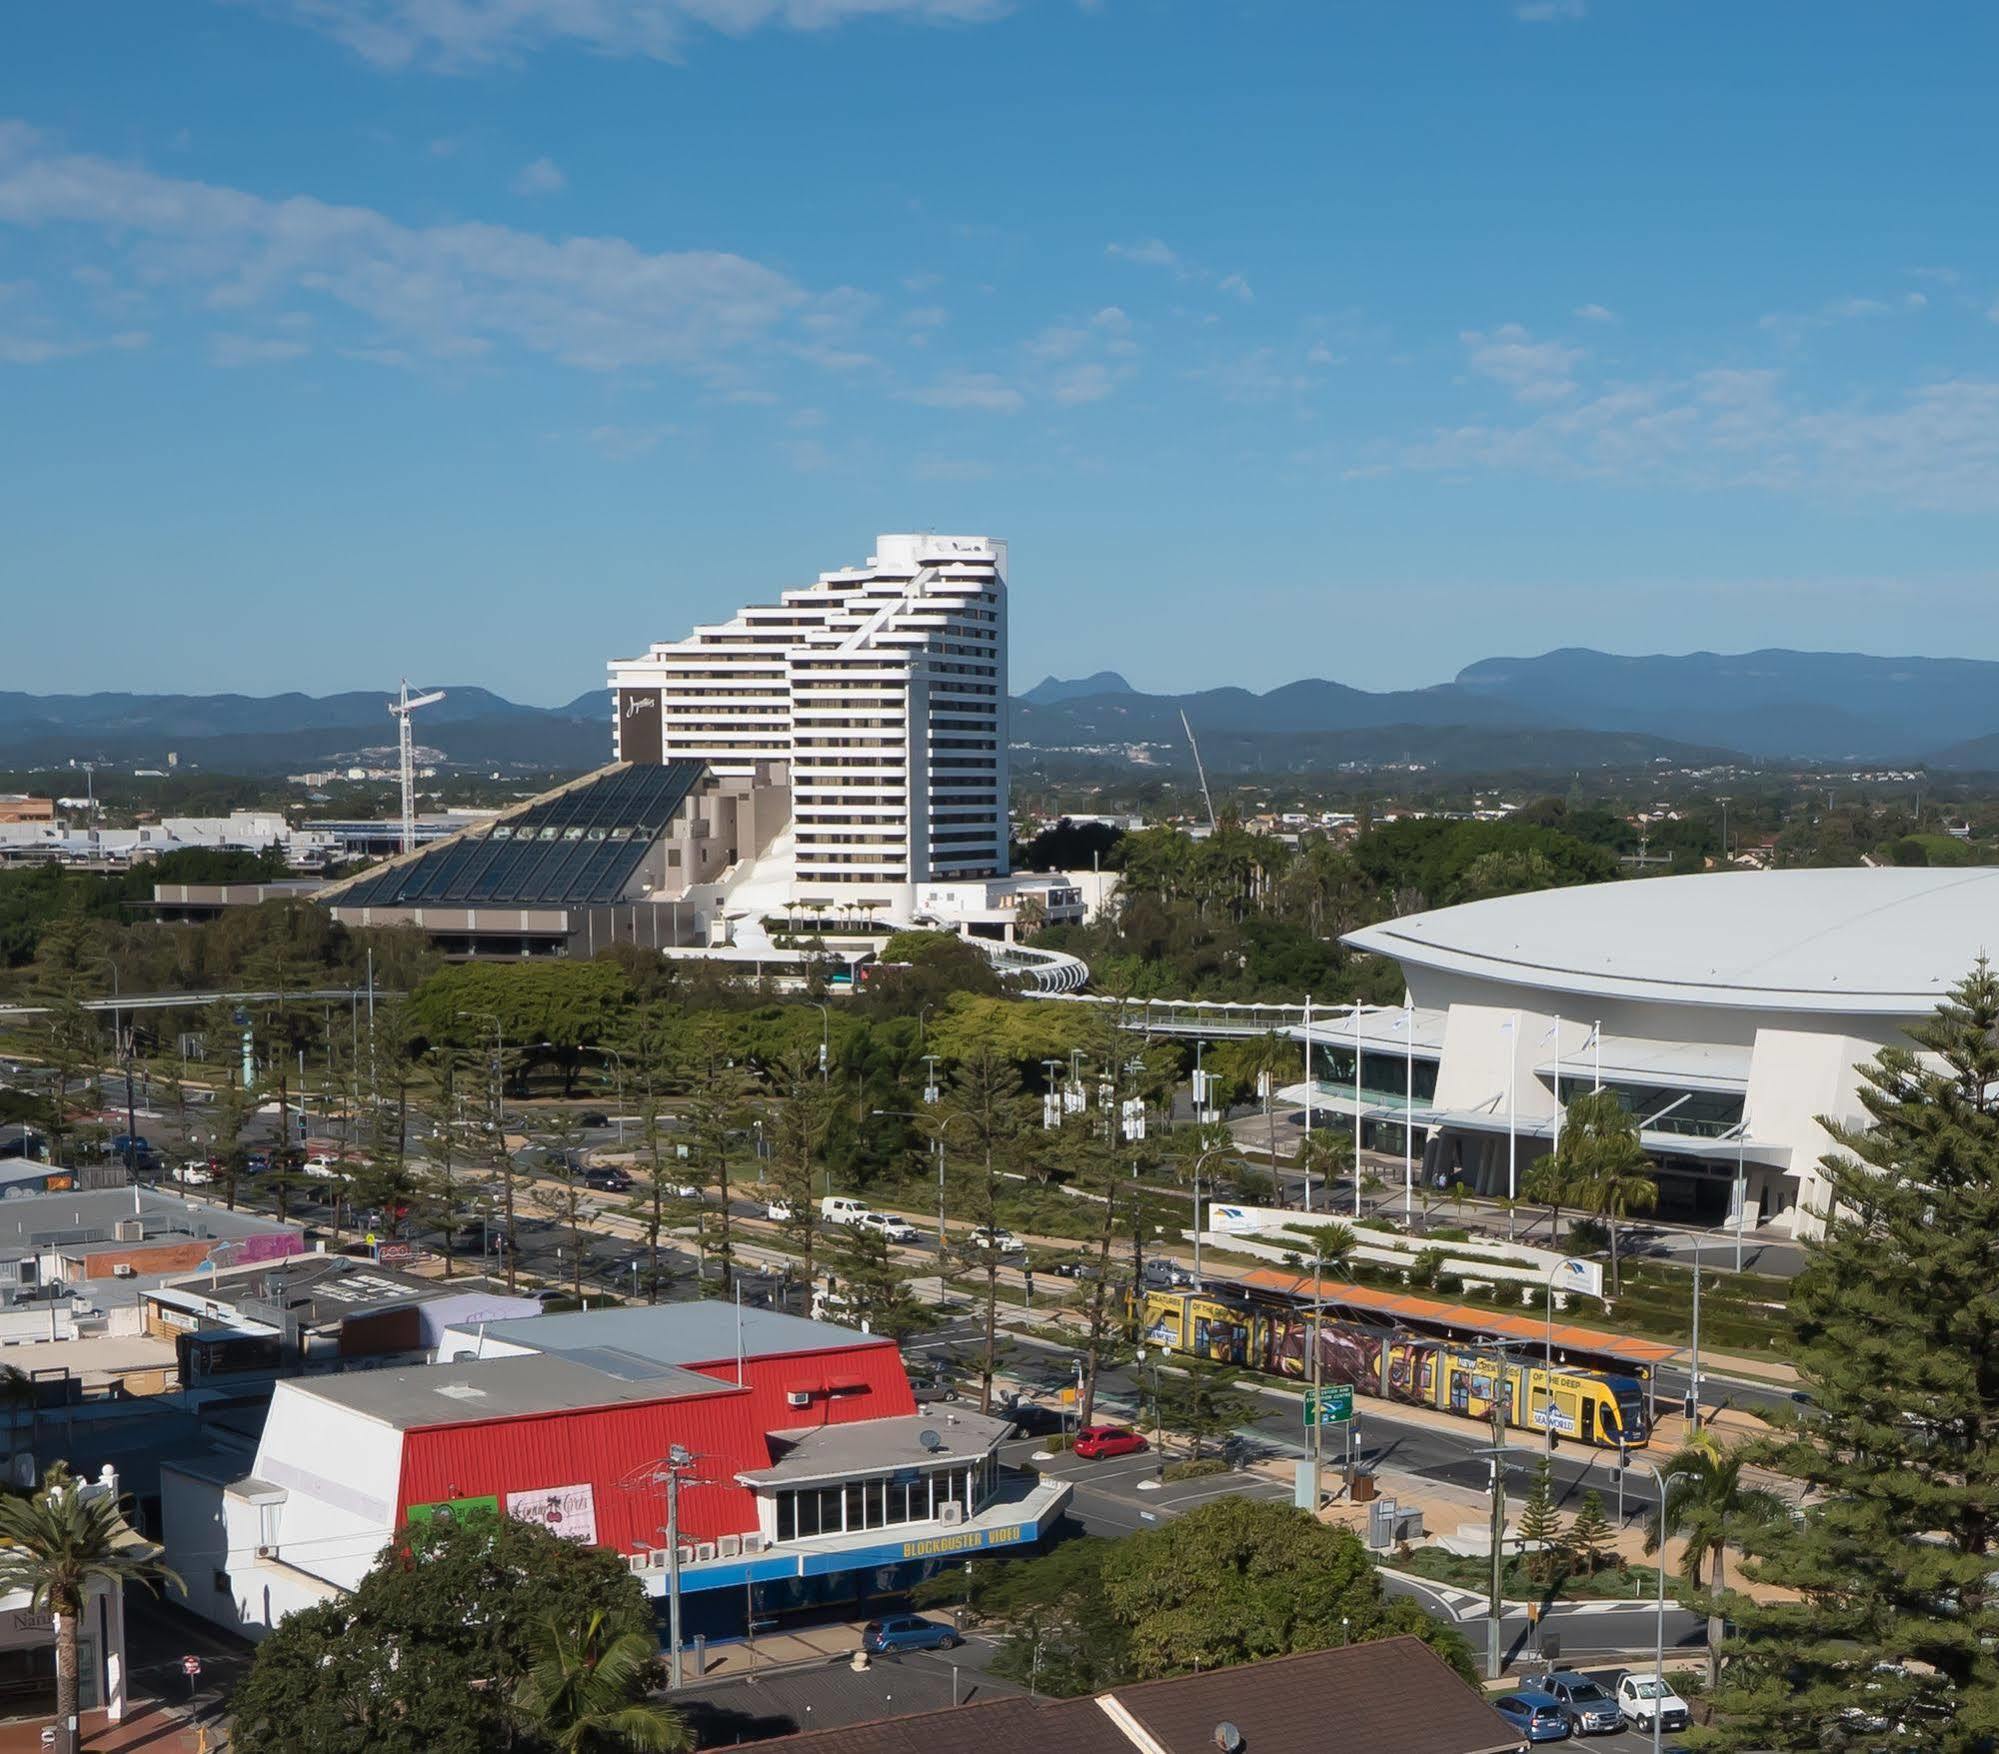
1537 1408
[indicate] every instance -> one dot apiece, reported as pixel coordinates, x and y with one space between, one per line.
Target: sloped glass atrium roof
574 847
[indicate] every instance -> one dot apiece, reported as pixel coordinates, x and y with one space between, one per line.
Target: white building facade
1733 1013
882 691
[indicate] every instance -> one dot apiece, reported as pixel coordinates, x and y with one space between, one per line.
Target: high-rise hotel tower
882 691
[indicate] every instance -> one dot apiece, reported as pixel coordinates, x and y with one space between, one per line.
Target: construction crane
1199 769
400 709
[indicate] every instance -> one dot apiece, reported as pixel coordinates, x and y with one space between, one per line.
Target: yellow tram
1259 1331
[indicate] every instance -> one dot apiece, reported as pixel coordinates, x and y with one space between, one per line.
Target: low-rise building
811 1481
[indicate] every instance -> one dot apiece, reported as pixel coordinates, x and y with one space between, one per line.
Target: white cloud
1236 287
1596 314
1147 253
1089 382
1322 355
623 443
40 349
1937 448
449 291
1535 371
237 350
462 34
926 317
1057 342
543 176
982 392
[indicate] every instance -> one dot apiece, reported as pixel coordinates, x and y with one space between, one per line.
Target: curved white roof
1886 942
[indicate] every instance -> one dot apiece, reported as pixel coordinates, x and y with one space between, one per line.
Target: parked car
931 1389
1160 1274
1640 1697
324 1164
608 1178
472 1240
777 1212
136 1143
1098 1442
900 1632
199 1172
256 1164
593 1118
1590 1708
843 1209
1000 1242
685 1191
1536 1715
1031 1419
891 1225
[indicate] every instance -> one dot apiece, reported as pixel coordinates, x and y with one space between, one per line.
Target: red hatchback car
1094 1442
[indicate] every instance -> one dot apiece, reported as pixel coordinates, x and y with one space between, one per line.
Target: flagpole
1305 1145
1596 1047
1512 1120
1409 1113
1356 1111
1558 1085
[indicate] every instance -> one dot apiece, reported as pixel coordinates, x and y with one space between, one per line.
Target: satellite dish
930 1440
1227 1737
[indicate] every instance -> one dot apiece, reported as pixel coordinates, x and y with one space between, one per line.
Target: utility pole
1318 1385
1694 1388
1497 1605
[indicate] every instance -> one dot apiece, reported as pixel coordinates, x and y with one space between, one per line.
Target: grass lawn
1519 1584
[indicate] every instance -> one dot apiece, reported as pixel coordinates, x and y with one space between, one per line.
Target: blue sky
484 339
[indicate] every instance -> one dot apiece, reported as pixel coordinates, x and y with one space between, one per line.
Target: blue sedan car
1536 1715
900 1632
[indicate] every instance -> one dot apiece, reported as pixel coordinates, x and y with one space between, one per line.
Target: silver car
1587 1705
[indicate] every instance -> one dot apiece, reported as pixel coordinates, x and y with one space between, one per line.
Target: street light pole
1318 1424
1694 1396
1659 1636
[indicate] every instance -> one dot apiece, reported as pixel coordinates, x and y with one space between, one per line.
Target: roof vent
1228 1738
461 1391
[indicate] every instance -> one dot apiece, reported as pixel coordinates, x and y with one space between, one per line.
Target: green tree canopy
426 1654
1897 1319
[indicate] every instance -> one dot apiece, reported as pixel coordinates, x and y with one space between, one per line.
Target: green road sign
1333 1405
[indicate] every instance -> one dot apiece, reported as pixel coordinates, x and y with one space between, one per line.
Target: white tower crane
400 710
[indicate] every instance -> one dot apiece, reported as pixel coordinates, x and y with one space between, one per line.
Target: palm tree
1326 1154
1270 1060
1549 1182
1708 1505
55 1545
1604 1166
586 1693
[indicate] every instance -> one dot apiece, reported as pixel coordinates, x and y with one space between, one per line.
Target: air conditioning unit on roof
753 1543
704 1553
730 1546
953 1512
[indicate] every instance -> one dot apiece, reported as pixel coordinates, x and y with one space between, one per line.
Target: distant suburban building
1729 1012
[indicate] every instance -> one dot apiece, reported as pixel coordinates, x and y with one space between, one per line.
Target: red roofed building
813 1480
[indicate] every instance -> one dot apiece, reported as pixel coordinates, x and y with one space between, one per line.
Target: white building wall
341 1472
884 688
1795 1077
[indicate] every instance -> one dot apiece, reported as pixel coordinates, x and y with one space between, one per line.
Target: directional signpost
1331 1405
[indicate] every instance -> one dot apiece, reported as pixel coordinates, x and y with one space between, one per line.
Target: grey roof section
314 1290
679 1333
1869 943
87 1219
876 1446
494 1388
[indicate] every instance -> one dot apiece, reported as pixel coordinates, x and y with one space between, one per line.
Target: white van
843 1209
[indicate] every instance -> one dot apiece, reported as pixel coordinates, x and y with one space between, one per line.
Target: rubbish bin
1363 1489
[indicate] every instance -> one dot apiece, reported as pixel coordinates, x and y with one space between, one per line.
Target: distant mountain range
261 734
1771 705
1561 710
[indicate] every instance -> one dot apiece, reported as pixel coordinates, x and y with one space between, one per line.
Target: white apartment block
882 692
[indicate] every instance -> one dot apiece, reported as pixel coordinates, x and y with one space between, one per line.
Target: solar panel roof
575 847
